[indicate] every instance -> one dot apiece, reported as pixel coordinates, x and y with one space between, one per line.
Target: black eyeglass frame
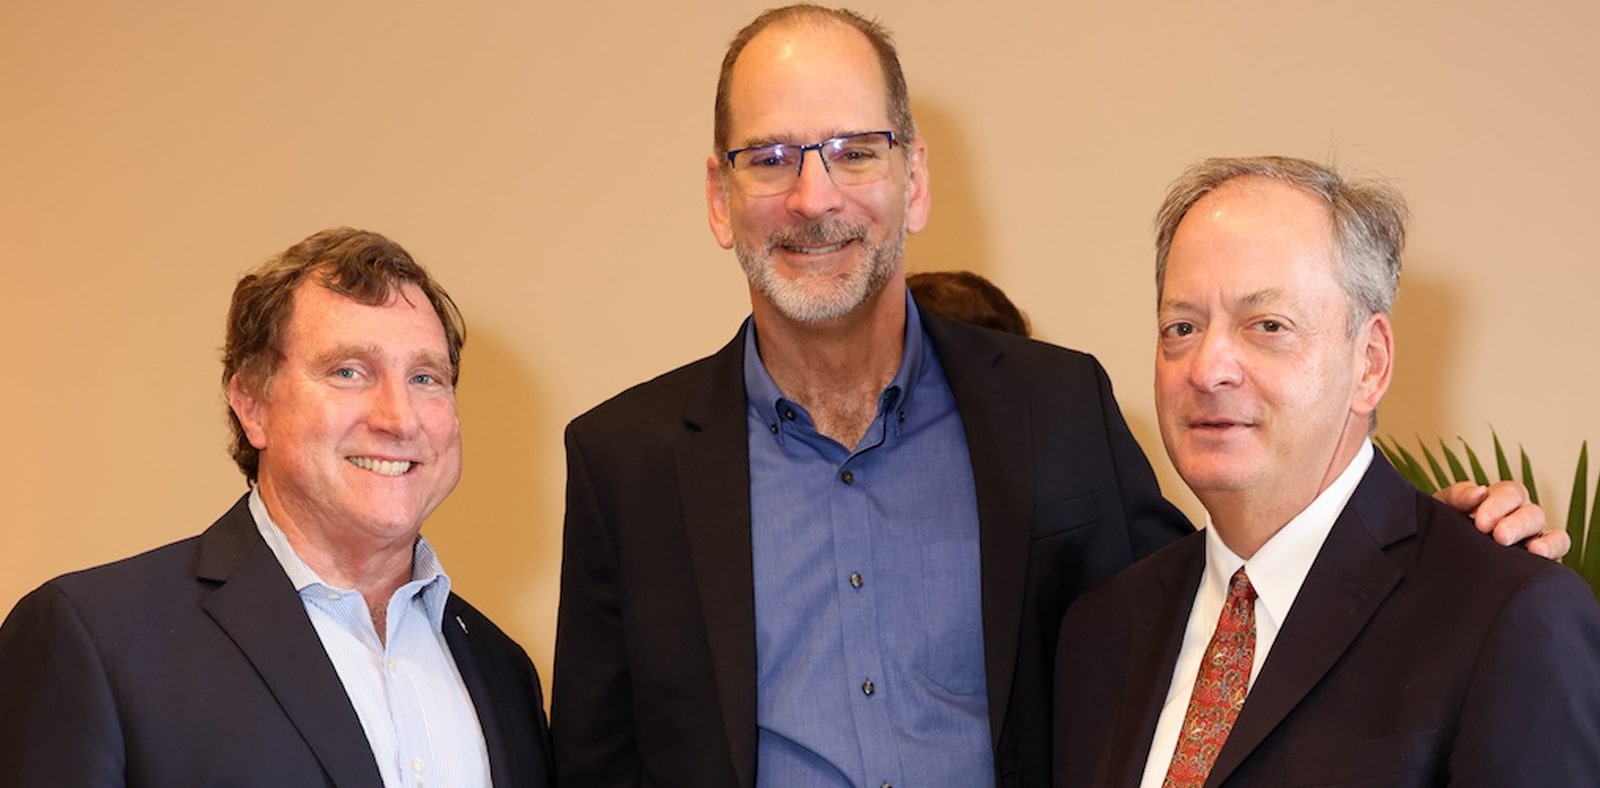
800 163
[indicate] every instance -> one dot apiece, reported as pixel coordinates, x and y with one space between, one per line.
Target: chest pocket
1401 759
953 615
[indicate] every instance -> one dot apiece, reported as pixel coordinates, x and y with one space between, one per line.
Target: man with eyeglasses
836 552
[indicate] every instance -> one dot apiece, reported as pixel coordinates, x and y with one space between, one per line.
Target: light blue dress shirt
869 627
406 689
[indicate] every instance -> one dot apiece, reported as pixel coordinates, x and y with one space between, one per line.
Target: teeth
381 467
819 249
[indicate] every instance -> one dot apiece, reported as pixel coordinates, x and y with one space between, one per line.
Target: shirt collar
1280 566
763 394
427 573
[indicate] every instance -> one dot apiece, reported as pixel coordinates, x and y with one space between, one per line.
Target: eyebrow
1264 296
342 352
789 139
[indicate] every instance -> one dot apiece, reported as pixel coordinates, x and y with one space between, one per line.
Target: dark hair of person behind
969 298
362 266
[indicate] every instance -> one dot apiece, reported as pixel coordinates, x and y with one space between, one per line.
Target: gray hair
1368 219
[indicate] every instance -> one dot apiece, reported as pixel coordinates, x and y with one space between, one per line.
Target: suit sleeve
1153 522
1532 710
58 727
591 696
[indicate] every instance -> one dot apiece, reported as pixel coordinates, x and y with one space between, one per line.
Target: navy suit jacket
1417 653
196 664
655 671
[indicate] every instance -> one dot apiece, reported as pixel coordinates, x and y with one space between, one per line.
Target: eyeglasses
851 160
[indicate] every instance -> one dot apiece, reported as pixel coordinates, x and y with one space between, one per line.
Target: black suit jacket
655 671
1417 653
196 664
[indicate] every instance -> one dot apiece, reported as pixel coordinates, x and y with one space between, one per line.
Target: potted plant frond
1583 510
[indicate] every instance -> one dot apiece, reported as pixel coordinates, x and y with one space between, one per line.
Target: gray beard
820 299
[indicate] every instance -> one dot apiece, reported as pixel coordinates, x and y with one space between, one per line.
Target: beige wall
546 160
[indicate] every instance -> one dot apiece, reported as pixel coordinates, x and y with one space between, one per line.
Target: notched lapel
712 461
1349 580
492 717
258 608
1157 626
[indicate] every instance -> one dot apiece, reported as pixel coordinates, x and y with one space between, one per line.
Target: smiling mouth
829 249
382 467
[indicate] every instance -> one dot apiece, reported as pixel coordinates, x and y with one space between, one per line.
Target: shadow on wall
1427 316
956 237
502 549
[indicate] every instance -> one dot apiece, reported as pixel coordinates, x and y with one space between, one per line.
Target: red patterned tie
1219 689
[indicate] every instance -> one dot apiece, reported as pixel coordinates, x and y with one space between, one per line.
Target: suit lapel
713 468
1347 583
1157 626
491 712
996 422
258 608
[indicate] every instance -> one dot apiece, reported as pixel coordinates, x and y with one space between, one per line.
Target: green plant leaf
1583 514
1390 454
1500 462
1413 471
1438 472
1477 467
1383 446
1591 558
1457 472
1575 511
1527 476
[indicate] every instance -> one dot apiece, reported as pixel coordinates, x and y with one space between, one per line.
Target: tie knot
1239 586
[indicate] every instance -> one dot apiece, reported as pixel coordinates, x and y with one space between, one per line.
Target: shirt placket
860 601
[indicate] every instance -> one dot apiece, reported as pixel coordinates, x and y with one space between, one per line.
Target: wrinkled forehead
321 312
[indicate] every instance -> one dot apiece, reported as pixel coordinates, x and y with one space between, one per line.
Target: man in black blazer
1389 643
308 637
663 655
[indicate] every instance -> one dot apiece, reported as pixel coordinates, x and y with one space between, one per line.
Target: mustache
816 234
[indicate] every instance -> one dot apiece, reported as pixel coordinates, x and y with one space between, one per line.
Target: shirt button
887 785
788 413
774 429
390 665
867 688
416 764
855 580
847 477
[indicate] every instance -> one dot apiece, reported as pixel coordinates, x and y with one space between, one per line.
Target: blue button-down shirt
869 630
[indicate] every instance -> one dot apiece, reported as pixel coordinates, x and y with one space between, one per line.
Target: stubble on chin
820 298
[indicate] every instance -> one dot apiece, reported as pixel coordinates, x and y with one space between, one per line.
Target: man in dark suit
309 636
840 547
1331 626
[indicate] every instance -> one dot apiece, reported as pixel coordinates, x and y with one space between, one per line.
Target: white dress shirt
405 688
1276 571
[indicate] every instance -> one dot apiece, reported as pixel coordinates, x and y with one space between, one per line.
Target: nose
814 193
393 411
1214 364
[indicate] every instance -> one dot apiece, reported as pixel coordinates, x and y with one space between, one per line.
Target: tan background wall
545 160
